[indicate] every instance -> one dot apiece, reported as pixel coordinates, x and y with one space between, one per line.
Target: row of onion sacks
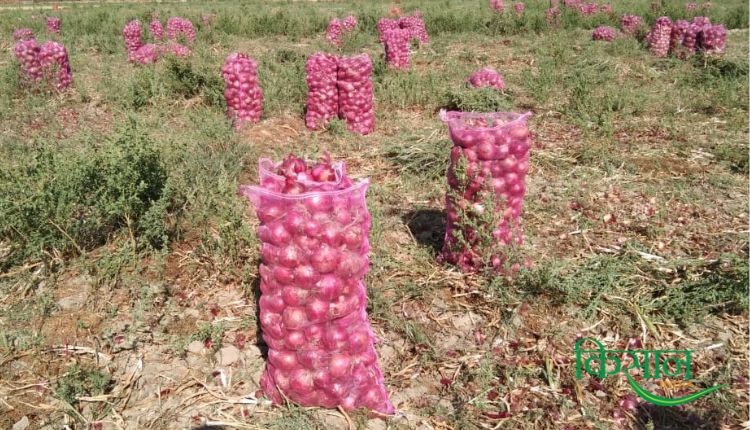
486 179
340 87
242 90
314 227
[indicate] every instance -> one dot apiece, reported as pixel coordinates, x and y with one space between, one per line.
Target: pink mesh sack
53 58
27 54
604 32
322 92
396 44
53 24
659 37
21 34
487 77
630 23
314 256
354 81
177 27
242 90
486 178
156 29
713 39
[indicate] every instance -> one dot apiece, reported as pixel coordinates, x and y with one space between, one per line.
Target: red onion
282 275
325 260
300 381
312 358
242 90
294 338
273 302
340 366
294 317
518 7
294 296
305 276
282 359
317 310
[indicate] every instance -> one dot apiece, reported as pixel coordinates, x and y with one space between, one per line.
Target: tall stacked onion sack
53 24
156 29
354 81
242 89
53 58
486 178
659 36
396 43
487 77
322 92
313 230
133 39
27 54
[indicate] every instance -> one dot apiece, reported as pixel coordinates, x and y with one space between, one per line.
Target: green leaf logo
666 401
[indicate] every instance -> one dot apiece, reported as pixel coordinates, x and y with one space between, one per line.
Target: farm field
129 264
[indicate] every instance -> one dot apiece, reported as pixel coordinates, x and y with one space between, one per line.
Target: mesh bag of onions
242 89
177 27
486 178
156 29
713 39
487 77
53 24
354 81
497 5
20 34
314 225
322 93
630 23
604 32
53 57
27 54
659 37
133 39
396 44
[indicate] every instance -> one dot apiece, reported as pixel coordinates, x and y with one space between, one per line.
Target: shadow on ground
427 226
674 418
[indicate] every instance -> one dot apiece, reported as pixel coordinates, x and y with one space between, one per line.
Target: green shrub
72 200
